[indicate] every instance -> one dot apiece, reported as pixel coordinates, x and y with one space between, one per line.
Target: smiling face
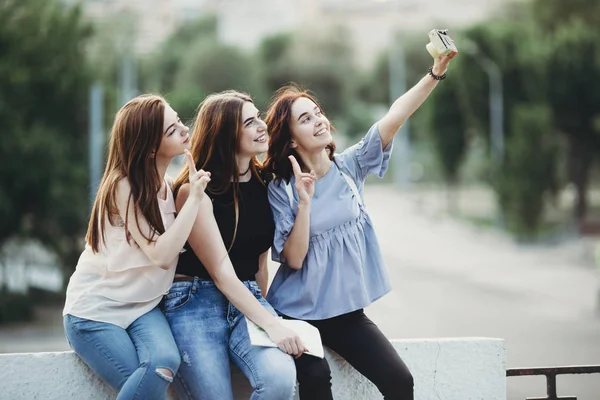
175 138
310 129
253 132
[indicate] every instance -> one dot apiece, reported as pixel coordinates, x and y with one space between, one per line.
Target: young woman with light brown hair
111 314
331 264
223 274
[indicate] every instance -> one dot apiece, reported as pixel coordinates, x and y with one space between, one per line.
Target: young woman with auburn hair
111 314
331 264
223 274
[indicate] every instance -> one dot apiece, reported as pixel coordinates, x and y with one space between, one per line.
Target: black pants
360 342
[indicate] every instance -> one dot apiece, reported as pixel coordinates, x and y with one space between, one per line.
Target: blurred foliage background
541 185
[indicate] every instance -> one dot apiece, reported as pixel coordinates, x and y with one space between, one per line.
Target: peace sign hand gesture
305 183
198 179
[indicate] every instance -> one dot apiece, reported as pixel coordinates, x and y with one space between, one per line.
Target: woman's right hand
286 339
305 183
198 179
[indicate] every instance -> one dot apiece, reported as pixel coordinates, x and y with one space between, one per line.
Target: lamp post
496 99
496 104
96 139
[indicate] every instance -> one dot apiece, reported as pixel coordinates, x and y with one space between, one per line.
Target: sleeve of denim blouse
367 156
283 215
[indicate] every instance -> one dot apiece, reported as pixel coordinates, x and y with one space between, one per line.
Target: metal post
496 108
496 105
95 139
128 78
496 99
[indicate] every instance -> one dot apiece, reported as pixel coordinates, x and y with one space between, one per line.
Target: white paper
309 335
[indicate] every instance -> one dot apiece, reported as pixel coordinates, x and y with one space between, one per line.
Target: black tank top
254 232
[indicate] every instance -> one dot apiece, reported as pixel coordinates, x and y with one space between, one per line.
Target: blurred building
370 23
146 22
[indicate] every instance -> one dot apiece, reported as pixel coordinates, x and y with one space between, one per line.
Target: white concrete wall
444 369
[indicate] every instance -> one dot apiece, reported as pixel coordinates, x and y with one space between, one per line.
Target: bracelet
434 76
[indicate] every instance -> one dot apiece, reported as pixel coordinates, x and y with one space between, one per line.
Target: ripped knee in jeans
165 373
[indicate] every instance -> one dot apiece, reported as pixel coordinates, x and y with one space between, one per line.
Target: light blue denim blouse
343 270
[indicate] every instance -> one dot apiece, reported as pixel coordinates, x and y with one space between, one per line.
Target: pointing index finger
295 166
190 162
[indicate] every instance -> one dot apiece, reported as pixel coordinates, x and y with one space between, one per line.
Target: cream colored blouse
119 284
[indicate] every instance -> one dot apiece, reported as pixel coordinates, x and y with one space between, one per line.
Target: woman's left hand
440 64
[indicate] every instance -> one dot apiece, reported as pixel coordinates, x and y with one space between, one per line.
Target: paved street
452 280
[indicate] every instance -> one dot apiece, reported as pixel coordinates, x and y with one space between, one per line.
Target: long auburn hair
216 137
278 120
135 136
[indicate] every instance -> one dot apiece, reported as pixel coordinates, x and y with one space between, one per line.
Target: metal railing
550 374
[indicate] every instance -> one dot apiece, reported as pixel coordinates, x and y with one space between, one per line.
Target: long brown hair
278 120
135 136
215 143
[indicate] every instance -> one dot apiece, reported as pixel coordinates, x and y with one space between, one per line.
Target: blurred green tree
573 90
568 50
212 67
517 50
555 62
106 50
448 132
510 45
192 63
273 52
322 63
44 84
373 86
529 172
552 14
159 69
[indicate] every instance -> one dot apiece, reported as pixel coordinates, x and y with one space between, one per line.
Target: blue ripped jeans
210 332
130 360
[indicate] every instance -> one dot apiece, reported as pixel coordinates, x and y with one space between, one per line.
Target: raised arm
205 239
165 247
410 101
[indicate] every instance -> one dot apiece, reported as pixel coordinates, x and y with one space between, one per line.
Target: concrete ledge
444 369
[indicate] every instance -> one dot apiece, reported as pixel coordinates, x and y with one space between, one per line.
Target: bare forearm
170 243
296 246
410 101
243 300
404 107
